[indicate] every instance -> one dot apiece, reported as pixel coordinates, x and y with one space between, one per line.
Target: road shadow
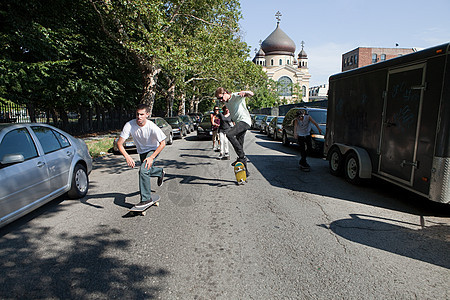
428 243
283 171
78 267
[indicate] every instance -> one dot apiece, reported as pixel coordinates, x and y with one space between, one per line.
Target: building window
374 58
285 86
288 61
281 62
271 62
356 59
383 57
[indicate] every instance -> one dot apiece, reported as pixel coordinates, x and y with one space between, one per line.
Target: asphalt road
286 234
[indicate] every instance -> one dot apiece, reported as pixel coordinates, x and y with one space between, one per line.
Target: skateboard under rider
240 173
142 210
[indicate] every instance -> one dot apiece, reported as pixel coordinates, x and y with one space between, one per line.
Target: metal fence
86 121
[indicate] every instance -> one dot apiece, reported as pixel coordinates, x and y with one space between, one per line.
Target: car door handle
69 153
40 164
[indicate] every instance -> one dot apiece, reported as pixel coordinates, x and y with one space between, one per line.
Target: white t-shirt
238 109
304 127
146 138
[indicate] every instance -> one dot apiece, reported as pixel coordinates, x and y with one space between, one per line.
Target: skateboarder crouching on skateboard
150 141
302 132
241 116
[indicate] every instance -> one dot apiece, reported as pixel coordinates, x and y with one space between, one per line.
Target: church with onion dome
277 58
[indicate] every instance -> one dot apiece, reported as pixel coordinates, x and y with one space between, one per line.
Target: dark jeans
304 142
236 136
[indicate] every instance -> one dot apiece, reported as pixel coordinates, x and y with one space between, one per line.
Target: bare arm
246 93
315 123
130 161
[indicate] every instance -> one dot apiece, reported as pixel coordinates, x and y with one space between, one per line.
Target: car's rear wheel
80 183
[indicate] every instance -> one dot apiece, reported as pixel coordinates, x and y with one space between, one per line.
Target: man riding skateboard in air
241 116
150 141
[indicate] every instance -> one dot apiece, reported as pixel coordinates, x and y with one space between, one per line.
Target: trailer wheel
335 161
351 168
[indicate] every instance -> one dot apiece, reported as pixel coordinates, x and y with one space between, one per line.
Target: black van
317 140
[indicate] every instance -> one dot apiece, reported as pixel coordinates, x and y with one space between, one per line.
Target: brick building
363 56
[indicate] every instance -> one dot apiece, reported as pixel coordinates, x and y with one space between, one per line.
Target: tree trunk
182 106
150 77
170 98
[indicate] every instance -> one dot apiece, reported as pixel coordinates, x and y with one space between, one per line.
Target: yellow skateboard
241 174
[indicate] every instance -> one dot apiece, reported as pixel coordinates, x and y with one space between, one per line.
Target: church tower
277 57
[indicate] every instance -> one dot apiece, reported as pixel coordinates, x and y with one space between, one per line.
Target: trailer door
402 114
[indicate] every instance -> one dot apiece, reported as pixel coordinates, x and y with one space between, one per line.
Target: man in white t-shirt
241 117
150 141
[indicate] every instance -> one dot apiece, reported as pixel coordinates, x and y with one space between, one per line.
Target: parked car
204 129
317 140
257 122
39 163
178 126
165 127
196 118
275 128
265 123
160 122
189 123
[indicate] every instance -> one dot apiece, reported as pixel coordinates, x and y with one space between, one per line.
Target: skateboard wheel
157 203
143 213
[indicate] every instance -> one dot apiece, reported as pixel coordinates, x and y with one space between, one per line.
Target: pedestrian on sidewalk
150 141
302 132
215 124
225 125
241 117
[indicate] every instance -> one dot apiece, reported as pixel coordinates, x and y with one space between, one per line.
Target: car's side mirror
9 159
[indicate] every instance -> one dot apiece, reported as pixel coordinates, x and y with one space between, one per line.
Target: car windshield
280 120
259 117
320 116
269 119
172 121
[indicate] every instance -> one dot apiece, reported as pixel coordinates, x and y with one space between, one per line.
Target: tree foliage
65 56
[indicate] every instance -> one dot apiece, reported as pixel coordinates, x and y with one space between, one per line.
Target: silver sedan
38 163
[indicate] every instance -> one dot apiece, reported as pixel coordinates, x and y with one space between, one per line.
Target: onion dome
302 54
278 43
260 53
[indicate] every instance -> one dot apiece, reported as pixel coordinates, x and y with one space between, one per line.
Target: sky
331 28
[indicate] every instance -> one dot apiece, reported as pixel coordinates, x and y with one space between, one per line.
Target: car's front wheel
170 141
80 183
285 139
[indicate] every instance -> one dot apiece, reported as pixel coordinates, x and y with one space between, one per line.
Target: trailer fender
365 164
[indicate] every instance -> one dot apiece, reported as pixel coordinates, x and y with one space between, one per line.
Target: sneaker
242 160
226 157
220 156
161 178
142 204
